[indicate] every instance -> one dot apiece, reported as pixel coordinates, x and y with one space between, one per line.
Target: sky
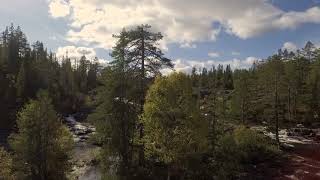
197 33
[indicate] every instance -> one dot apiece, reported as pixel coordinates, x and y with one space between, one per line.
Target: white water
284 136
84 153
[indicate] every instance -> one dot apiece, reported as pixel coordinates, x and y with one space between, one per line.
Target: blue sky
197 33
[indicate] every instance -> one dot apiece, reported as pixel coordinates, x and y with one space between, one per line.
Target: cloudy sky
196 32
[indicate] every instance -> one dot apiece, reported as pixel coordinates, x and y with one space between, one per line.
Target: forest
200 125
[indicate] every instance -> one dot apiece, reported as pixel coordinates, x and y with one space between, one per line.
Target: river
84 154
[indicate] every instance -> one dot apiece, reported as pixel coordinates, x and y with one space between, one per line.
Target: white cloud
235 53
59 8
103 62
249 61
54 38
183 65
181 21
74 52
213 54
317 44
293 19
188 45
290 46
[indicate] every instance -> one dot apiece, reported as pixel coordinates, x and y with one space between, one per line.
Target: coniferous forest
213 123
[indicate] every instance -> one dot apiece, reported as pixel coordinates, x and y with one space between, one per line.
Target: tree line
25 69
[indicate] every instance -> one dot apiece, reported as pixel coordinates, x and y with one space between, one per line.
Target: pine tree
241 97
119 103
81 75
93 75
145 58
114 118
210 109
21 82
272 76
228 78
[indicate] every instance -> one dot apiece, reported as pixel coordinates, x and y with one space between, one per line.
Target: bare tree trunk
295 107
242 111
276 110
289 104
214 120
141 153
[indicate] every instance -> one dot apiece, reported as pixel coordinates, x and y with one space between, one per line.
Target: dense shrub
238 151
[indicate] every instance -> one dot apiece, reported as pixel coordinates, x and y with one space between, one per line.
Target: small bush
238 151
255 147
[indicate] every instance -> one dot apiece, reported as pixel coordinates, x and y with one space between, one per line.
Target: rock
301 132
291 137
300 126
299 171
293 177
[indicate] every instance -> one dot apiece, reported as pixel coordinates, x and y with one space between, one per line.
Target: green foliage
6 165
255 147
25 69
174 128
136 59
181 124
21 81
241 102
42 144
238 151
114 118
226 163
143 54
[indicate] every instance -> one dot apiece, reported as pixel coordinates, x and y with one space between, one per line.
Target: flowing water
85 166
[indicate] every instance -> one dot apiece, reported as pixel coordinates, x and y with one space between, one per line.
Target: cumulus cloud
293 19
290 46
181 21
213 54
75 53
59 8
